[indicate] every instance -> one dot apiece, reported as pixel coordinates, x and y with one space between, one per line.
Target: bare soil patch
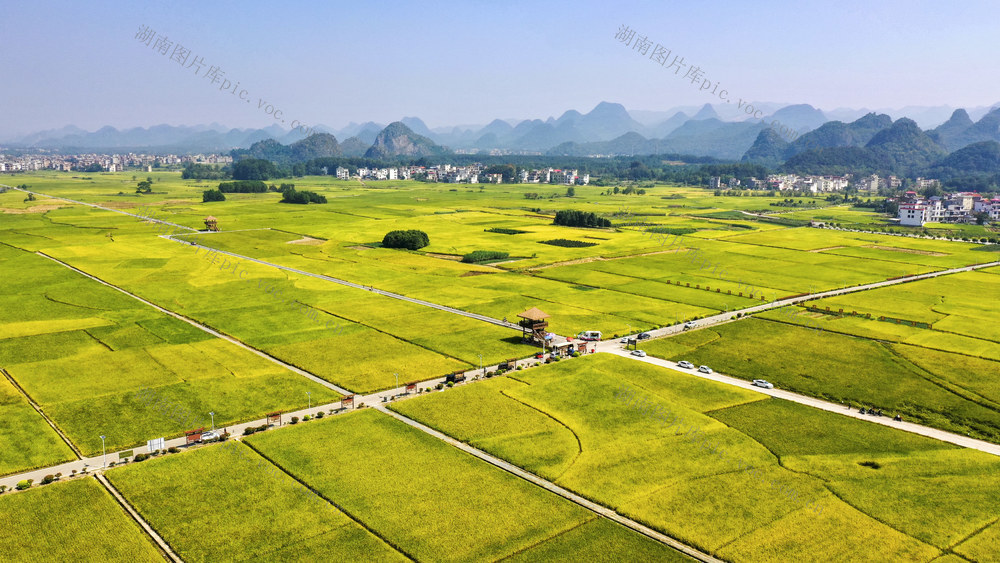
906 250
307 241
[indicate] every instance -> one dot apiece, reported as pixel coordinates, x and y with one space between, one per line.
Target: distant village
821 184
106 162
446 173
962 207
472 174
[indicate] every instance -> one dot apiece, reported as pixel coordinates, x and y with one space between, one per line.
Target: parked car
644 335
685 364
690 324
590 335
624 340
210 435
705 369
640 353
763 383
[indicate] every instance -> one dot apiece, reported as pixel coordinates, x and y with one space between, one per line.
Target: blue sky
468 62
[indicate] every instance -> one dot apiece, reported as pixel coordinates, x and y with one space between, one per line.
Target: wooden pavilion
211 223
534 325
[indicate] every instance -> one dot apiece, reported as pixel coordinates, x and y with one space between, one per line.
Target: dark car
644 335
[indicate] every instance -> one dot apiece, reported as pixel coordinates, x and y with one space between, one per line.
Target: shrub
505 231
48 479
141 457
21 485
410 240
242 187
306 418
872 464
319 414
172 450
251 429
3 488
212 195
439 386
483 256
451 384
295 420
304 197
568 243
573 218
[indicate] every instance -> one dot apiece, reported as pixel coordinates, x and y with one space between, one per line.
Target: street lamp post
212 414
309 393
481 364
105 451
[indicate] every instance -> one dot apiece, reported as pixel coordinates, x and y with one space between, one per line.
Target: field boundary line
556 489
548 539
328 500
579 444
164 546
38 409
209 330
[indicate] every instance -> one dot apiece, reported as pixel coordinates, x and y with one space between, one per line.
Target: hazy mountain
902 147
906 146
977 158
950 133
418 126
711 137
399 140
769 149
715 130
668 126
627 144
319 145
798 117
840 134
986 129
354 147
706 112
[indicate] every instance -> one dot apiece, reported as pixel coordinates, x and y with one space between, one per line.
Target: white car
624 340
640 353
705 369
685 364
690 324
763 383
210 435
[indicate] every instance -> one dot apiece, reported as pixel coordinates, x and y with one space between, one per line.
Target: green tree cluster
410 239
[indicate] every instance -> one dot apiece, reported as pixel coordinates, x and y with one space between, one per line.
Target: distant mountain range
719 131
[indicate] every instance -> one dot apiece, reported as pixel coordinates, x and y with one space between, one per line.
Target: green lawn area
727 470
73 521
435 502
226 503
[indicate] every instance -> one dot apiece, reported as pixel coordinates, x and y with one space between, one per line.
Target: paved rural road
957 439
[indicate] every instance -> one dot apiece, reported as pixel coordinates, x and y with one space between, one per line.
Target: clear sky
453 63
